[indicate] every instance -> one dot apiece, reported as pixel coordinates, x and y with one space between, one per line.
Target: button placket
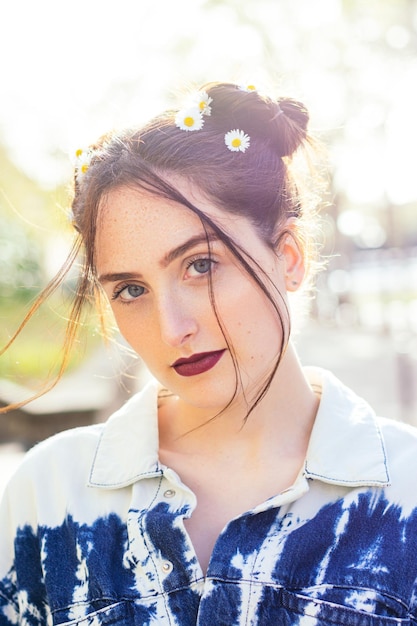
138 556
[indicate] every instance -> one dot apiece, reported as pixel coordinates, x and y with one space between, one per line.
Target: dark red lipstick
197 363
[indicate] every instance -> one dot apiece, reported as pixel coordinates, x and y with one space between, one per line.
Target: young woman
236 487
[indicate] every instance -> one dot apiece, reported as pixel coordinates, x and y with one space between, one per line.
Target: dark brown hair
258 184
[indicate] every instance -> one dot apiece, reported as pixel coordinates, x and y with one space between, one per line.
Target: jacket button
167 567
169 493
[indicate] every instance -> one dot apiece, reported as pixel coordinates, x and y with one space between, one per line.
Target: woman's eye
130 292
201 266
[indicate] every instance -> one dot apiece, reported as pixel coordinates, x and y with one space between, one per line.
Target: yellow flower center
78 153
202 105
251 88
84 168
236 142
189 121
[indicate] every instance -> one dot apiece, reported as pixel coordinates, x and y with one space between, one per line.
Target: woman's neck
281 422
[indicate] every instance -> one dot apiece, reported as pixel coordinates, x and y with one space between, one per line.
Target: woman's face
153 264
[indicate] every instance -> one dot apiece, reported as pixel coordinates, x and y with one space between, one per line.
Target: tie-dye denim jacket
92 531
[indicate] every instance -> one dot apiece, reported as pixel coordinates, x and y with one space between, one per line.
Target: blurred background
72 70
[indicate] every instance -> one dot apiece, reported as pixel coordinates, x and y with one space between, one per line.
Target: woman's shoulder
400 445
399 438
57 458
72 451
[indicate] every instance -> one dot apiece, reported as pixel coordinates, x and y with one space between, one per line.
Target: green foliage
29 220
36 354
21 274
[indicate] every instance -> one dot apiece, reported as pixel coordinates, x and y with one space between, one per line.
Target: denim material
105 544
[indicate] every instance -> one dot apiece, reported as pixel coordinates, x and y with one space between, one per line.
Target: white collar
346 446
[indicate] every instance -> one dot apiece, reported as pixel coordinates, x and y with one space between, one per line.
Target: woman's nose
177 321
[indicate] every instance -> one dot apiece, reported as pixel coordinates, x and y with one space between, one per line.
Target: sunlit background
72 70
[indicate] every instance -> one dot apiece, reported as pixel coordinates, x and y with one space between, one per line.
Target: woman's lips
197 363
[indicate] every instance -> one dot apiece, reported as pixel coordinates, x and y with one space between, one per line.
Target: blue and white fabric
92 531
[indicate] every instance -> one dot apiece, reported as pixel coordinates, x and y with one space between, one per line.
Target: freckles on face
155 249
151 258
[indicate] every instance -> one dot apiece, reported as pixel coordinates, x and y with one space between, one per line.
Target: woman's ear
292 254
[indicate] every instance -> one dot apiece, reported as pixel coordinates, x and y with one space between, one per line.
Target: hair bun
291 126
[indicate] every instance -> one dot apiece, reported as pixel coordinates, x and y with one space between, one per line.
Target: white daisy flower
202 101
189 119
237 140
247 88
82 162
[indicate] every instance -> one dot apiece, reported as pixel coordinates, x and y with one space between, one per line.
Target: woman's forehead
126 206
134 224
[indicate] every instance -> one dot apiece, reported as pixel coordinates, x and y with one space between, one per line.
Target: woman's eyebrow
178 251
168 258
116 276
